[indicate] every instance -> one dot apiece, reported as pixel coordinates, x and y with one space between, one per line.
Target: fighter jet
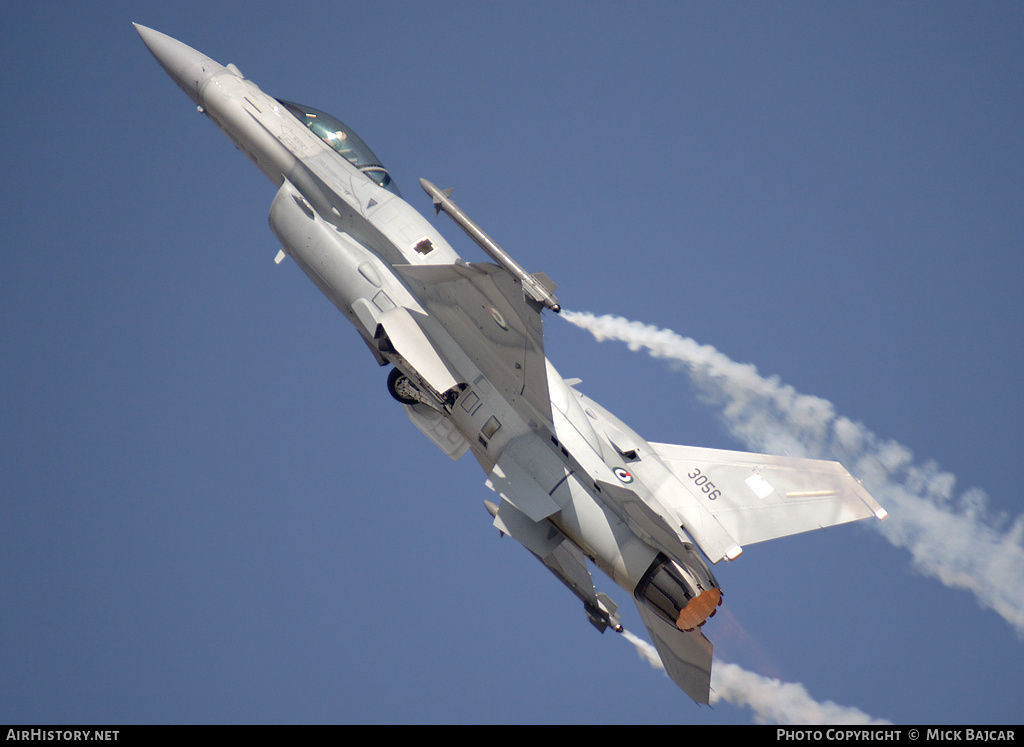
464 340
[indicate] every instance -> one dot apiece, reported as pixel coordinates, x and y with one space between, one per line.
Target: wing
686 656
757 497
485 312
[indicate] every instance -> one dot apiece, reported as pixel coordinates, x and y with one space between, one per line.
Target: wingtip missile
537 286
431 190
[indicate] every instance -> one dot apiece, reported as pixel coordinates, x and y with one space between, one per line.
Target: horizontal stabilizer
758 497
686 656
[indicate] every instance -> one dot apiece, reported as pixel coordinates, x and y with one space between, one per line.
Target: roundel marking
498 318
623 475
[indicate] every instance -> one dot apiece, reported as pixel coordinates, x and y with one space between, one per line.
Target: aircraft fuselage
465 340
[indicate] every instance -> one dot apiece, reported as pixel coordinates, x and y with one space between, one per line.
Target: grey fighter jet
573 483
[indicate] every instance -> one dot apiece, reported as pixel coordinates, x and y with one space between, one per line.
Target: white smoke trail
954 540
777 702
771 700
647 652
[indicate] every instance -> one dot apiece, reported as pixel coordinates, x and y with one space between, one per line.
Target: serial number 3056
701 481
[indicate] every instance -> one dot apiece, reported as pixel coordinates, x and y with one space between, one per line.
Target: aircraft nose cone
189 69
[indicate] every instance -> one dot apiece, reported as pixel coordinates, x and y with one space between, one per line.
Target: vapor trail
776 702
954 539
771 700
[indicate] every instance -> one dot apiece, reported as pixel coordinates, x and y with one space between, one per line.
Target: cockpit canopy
343 139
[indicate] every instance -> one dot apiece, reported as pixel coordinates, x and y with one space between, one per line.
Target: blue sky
211 510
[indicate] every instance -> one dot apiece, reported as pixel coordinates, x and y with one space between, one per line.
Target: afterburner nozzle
699 609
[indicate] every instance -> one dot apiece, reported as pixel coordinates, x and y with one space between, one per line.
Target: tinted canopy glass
343 139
